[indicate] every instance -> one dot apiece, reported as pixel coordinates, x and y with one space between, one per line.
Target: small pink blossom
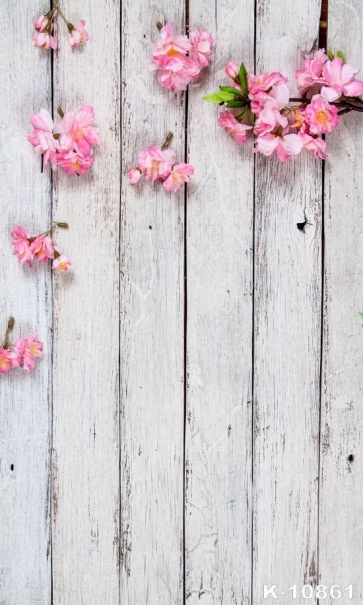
27 349
278 94
72 162
311 72
45 40
42 248
231 70
178 176
264 82
134 175
321 116
77 34
270 118
170 45
8 361
202 46
78 132
237 130
314 145
177 72
285 145
42 137
61 264
339 77
41 23
156 163
21 245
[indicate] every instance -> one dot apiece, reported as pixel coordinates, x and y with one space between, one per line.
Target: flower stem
5 343
345 103
167 141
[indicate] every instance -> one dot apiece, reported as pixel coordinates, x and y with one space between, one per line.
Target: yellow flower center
172 52
322 117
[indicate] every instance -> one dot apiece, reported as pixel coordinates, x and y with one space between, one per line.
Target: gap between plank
185 317
323 39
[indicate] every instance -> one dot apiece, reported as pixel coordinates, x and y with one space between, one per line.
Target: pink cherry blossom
21 245
27 349
42 248
311 72
202 46
72 162
134 175
321 116
169 45
41 23
339 77
231 70
178 176
61 264
314 145
156 163
42 137
285 145
270 118
8 361
278 94
176 72
45 40
77 34
237 130
264 82
78 132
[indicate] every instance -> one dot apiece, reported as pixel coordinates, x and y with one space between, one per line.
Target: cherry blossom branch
10 326
341 104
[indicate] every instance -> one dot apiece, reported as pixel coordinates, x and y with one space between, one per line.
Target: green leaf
237 103
243 78
361 314
341 56
241 115
219 97
330 54
232 90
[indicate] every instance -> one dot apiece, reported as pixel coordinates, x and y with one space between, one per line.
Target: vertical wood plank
287 331
219 331
152 327
341 488
25 294
86 315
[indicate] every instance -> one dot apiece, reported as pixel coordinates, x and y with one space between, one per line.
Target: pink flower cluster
71 147
44 25
180 59
22 353
40 248
287 126
158 163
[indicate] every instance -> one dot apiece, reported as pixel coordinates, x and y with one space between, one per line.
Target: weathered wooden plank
287 331
341 483
152 325
219 332
25 294
86 326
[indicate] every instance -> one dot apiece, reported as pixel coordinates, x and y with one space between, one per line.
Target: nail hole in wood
301 226
150 227
11 467
351 458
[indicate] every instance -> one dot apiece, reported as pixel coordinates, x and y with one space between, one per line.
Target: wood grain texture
287 331
86 325
26 294
219 333
152 327
341 488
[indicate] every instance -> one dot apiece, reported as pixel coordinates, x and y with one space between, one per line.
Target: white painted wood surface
152 326
341 486
287 332
86 494
219 334
25 399
95 507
